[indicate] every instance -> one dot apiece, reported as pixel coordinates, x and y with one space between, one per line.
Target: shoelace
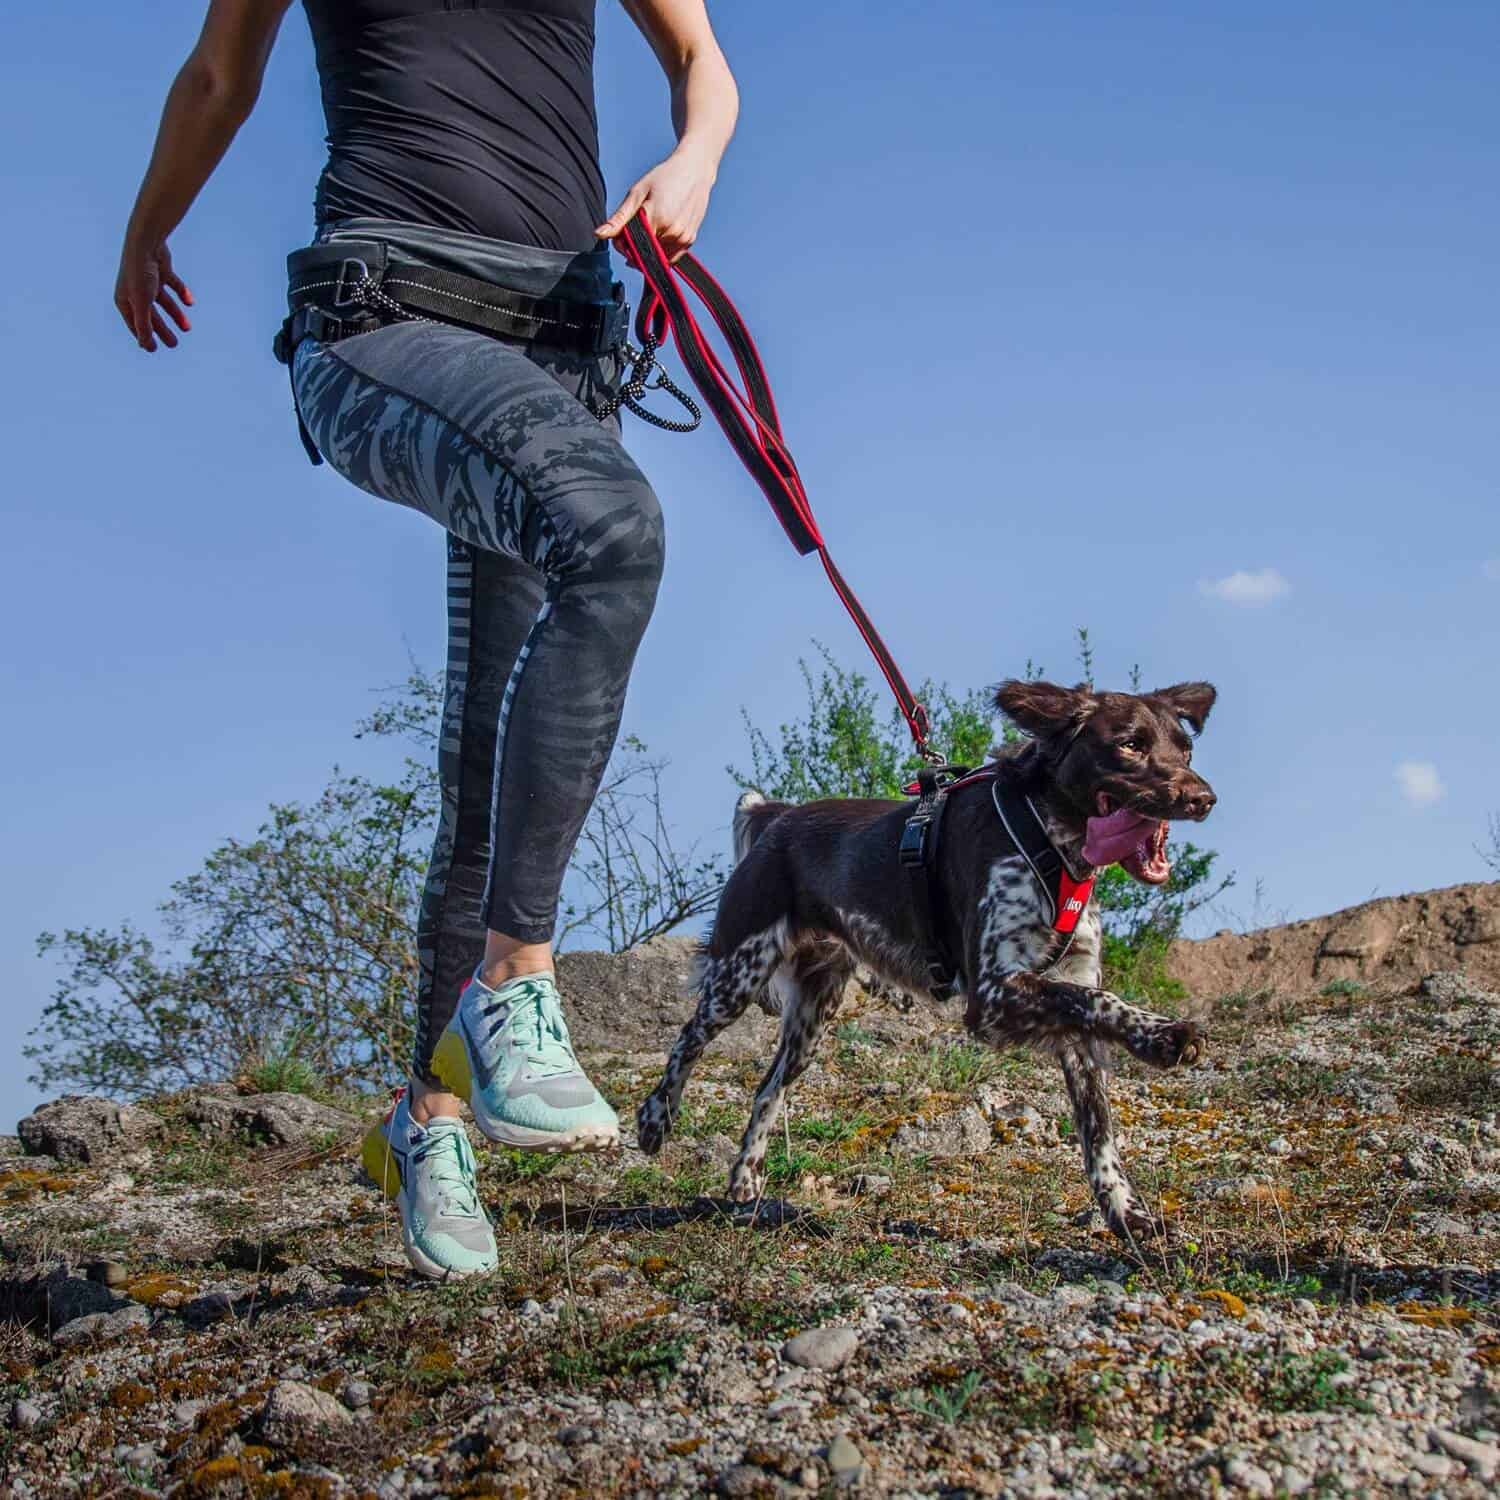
452 1171
533 1020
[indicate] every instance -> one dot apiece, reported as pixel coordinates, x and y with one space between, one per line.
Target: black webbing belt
337 290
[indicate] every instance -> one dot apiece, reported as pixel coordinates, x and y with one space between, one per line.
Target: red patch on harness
1072 900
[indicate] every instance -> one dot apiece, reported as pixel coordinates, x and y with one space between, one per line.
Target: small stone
24 1415
1294 1481
846 1461
530 1308
107 1273
1279 1147
575 1436
142 1456
293 1409
185 1413
1434 1465
956 1312
743 1481
357 1394
821 1348
1251 1478
1479 1458
1415 1166
870 1185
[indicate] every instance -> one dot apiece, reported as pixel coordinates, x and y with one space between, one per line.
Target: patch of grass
1285 1080
707 1117
944 1402
784 1168
957 1067
506 1164
1342 989
778 1317
625 1357
1304 1382
642 1184
832 1130
1455 1082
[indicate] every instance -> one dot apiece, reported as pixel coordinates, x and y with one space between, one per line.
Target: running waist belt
349 286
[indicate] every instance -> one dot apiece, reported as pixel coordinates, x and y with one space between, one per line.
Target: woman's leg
474 434
493 601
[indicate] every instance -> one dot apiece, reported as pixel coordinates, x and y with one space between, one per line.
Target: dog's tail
753 814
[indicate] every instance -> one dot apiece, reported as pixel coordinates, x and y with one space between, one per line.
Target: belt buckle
342 297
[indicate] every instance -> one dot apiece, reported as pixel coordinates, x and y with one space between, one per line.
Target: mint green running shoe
443 1224
528 1088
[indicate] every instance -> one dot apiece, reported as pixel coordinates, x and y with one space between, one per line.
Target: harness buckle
913 850
355 297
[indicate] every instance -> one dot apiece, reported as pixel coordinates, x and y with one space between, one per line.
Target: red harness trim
1070 901
750 421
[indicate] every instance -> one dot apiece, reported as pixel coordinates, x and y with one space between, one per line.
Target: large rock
81 1128
961 1132
294 1409
637 1001
275 1119
96 1328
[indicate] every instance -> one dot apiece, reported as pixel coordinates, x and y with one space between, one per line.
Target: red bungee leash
749 419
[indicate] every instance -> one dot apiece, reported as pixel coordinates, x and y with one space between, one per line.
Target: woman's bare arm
209 100
705 104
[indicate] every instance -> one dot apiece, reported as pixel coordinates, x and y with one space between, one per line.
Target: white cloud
1248 589
1419 782
1490 567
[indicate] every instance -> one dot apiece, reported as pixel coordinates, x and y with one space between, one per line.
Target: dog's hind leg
812 984
1094 1126
725 987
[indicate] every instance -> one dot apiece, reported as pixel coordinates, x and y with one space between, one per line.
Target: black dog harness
349 287
1067 897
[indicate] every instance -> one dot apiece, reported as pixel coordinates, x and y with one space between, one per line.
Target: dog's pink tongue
1107 840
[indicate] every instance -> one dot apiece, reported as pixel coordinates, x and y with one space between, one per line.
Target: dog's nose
1199 802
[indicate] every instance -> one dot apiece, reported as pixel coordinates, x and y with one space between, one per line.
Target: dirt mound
1392 941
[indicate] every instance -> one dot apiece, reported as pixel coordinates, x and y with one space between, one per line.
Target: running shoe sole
524 1137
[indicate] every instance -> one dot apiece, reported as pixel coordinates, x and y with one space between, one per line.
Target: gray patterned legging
554 555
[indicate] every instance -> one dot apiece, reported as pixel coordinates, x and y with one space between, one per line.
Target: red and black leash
750 422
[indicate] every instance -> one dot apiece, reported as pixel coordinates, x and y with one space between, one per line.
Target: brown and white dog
819 889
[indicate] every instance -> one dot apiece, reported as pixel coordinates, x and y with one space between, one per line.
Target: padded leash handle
746 411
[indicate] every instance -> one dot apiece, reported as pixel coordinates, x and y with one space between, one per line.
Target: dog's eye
1136 744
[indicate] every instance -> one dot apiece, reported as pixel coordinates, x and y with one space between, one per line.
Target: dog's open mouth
1136 843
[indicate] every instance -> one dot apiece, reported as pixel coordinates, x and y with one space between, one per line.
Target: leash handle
750 421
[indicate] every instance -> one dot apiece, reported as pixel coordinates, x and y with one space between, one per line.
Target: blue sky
1174 320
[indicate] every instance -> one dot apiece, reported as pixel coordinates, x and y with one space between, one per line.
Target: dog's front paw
1185 1045
1137 1226
1170 1044
746 1182
653 1122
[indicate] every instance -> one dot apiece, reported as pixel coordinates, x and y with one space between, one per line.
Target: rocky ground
207 1297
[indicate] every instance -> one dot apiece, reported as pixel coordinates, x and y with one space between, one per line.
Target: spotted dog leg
812 985
1034 1008
726 986
1094 1125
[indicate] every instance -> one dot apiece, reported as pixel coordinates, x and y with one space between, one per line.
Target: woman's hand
674 198
144 291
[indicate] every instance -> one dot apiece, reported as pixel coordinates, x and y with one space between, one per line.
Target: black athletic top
474 115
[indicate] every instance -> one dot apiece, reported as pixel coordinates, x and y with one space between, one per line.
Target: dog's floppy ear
1190 701
1043 708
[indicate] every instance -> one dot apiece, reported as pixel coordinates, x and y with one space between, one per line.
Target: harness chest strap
1067 897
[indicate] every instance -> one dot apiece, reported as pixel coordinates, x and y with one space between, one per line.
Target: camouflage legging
554 555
